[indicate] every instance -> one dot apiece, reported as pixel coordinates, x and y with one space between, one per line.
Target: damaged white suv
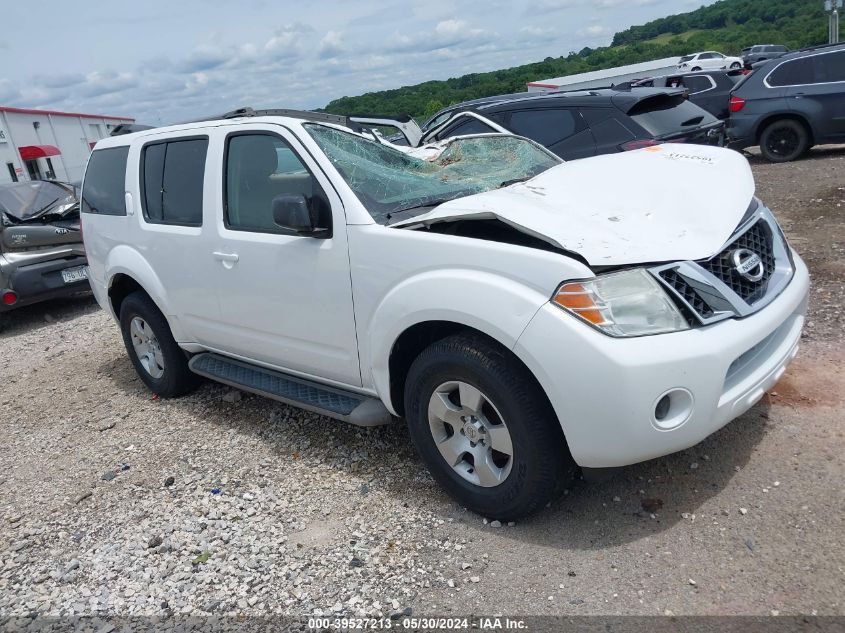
523 315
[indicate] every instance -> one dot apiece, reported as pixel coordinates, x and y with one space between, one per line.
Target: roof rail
814 48
246 111
128 128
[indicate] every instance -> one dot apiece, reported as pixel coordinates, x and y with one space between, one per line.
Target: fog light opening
662 408
672 409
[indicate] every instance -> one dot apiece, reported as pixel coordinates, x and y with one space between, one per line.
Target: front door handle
227 259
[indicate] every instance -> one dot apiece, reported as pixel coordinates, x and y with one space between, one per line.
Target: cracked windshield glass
391 184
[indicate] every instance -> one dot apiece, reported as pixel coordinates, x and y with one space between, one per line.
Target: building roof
59 113
607 73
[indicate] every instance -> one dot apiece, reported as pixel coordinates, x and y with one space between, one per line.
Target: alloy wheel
147 347
470 434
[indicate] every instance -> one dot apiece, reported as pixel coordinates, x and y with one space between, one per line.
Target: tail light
9 297
737 103
638 144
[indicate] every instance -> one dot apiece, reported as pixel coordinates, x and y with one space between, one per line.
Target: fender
128 261
499 307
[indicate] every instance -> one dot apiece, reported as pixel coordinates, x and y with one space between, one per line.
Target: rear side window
468 125
172 175
547 127
830 67
793 73
664 116
104 187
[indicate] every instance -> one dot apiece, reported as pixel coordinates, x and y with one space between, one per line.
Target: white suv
709 60
523 315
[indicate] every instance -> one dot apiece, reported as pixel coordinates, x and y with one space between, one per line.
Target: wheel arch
127 272
416 338
784 115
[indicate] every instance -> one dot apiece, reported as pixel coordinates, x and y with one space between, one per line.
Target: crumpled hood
663 203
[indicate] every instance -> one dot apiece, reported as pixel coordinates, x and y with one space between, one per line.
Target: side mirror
292 213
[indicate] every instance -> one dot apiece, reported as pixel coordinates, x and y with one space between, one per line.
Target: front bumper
604 390
39 281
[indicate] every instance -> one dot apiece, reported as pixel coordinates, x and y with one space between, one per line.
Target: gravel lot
114 502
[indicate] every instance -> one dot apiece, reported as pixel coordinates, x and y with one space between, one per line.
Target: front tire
485 429
736 66
154 353
784 140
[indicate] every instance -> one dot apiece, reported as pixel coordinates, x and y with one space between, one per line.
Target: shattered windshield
30 200
389 182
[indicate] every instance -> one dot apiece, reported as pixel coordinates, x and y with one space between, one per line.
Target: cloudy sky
165 61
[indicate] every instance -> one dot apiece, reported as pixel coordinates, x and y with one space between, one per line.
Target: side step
336 403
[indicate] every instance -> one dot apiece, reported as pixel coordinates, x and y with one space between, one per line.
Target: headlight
628 303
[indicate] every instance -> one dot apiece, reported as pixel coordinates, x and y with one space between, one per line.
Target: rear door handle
225 257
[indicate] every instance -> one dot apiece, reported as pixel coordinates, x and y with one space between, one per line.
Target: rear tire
784 140
154 353
696 69
464 388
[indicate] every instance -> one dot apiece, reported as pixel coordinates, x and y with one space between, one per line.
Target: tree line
726 26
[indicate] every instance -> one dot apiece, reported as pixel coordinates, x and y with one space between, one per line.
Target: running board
343 405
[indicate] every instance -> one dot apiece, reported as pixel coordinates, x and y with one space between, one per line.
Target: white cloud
331 45
284 55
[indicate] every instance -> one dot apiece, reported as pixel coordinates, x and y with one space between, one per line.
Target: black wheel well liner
122 285
416 338
784 115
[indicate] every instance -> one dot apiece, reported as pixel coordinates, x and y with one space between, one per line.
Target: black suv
586 123
710 90
790 104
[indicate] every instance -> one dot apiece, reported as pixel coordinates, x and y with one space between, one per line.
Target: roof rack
354 122
308 115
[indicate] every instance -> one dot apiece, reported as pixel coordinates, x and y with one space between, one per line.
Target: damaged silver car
41 250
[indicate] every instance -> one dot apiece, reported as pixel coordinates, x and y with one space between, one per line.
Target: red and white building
45 144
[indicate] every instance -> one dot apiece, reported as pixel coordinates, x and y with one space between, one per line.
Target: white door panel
285 300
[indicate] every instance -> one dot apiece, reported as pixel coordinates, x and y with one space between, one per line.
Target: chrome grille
757 239
687 292
710 290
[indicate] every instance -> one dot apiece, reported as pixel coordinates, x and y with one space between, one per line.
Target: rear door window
547 126
698 84
669 115
105 182
172 175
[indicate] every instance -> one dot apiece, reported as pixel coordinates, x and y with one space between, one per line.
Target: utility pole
833 7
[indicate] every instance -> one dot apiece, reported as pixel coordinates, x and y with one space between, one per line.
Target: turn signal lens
576 298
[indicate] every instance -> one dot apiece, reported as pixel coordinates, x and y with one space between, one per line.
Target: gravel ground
115 502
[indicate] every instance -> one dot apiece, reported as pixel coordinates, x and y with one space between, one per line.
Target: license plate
72 275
